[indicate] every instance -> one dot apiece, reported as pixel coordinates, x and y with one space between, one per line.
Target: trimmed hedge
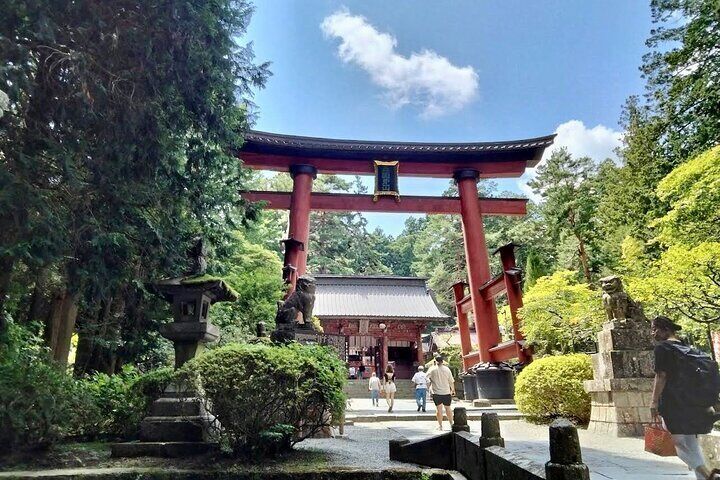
269 397
553 387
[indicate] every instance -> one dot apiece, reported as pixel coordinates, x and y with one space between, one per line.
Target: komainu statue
618 304
299 303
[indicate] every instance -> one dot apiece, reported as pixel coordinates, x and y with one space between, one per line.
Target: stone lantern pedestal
621 391
178 423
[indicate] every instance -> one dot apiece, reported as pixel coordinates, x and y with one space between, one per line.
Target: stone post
490 431
565 456
621 389
460 420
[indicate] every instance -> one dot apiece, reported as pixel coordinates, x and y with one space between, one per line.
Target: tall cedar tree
118 144
569 200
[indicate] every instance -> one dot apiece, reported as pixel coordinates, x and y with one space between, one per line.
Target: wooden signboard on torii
305 157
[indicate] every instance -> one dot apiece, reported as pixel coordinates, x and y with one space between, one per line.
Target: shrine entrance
305 157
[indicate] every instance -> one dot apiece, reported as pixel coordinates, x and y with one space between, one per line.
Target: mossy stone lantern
191 298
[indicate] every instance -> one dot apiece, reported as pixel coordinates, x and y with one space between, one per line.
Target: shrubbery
41 404
552 387
119 402
269 397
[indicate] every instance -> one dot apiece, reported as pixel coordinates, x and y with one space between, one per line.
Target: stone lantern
178 423
191 298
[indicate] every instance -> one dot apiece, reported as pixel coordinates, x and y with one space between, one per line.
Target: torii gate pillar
478 263
295 261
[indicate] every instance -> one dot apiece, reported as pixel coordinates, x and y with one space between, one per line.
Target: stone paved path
366 444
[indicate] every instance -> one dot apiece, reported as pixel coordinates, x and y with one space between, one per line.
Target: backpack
698 376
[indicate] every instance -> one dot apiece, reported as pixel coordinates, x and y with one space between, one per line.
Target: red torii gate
305 157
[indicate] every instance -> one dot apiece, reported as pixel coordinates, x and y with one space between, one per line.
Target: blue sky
450 71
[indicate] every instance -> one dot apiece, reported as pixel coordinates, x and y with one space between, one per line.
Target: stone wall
485 458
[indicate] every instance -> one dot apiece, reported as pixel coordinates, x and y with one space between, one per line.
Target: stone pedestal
178 423
621 391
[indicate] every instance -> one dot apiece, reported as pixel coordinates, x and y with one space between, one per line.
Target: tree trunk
37 300
6 267
582 253
93 354
61 326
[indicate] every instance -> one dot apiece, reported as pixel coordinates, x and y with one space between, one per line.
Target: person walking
361 371
374 387
676 403
420 381
389 387
442 386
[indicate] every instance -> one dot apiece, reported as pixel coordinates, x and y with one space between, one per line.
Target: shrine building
382 319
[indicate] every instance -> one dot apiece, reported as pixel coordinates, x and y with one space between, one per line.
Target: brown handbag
658 440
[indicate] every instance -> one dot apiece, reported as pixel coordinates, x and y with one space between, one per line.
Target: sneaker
418 409
423 410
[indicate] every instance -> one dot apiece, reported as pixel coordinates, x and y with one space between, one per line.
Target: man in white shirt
374 387
420 381
442 387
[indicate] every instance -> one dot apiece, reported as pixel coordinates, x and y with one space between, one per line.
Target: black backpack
698 376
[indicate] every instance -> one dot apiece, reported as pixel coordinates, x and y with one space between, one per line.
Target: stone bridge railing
485 457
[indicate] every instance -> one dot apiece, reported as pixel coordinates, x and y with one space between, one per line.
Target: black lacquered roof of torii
528 150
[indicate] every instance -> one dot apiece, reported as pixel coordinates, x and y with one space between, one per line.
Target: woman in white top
389 387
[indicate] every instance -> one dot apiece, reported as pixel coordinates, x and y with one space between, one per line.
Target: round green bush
553 387
269 397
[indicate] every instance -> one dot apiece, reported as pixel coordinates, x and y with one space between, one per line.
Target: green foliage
681 72
36 397
119 401
684 284
453 359
693 192
570 202
533 270
256 274
561 315
111 163
552 387
269 397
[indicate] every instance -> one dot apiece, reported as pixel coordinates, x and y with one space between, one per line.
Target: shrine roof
374 297
279 145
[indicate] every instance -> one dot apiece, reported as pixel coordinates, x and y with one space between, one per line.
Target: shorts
390 387
442 400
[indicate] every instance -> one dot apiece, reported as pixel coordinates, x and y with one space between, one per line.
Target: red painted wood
462 322
299 224
505 351
343 202
494 288
472 358
486 169
478 267
514 297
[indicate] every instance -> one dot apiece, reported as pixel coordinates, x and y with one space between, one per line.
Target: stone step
175 429
359 389
161 449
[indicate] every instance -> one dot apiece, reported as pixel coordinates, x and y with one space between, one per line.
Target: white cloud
424 79
598 143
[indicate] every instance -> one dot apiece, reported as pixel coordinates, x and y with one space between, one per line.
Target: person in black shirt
669 406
